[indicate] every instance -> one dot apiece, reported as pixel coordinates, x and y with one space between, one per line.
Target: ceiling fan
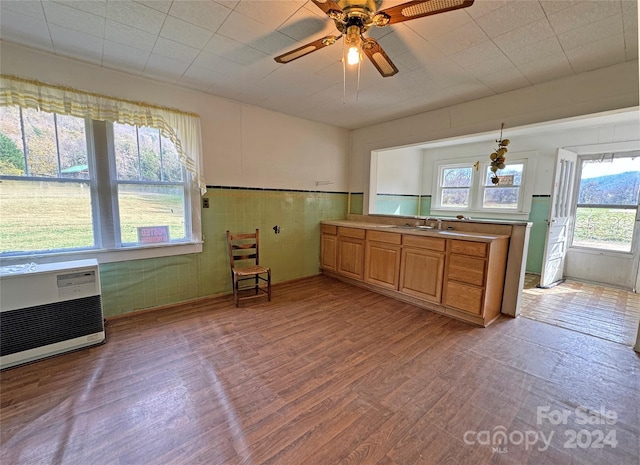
354 17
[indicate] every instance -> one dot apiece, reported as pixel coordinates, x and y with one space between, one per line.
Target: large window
69 184
467 187
607 204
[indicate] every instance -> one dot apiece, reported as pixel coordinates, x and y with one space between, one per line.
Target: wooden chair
248 276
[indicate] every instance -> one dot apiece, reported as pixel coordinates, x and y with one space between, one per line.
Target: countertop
417 231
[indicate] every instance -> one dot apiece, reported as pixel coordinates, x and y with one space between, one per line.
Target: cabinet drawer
329 229
387 237
463 297
351 232
475 249
466 269
422 242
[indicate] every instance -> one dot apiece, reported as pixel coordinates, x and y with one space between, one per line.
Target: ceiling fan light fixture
353 55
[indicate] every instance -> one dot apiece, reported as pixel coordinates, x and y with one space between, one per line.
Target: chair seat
250 270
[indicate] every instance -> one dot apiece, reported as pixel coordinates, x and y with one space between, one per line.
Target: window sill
484 214
111 255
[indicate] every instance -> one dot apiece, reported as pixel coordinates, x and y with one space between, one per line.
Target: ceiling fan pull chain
344 75
358 84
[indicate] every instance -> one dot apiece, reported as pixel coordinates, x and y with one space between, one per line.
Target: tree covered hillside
615 189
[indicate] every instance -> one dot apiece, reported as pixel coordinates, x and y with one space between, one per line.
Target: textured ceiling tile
484 7
435 26
136 15
175 50
490 66
583 13
207 15
525 35
27 30
535 51
591 32
554 6
76 44
547 68
631 45
31 8
165 68
124 57
160 5
505 80
272 14
304 26
457 40
127 35
630 15
96 7
479 53
598 54
185 33
71 18
511 16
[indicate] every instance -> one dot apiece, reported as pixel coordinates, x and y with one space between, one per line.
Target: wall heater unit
49 309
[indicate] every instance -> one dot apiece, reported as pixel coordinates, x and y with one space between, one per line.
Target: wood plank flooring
324 374
601 311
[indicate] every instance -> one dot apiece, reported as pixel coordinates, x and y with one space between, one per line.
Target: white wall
597 91
242 145
399 171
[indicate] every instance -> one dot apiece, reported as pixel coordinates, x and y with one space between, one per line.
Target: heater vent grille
27 328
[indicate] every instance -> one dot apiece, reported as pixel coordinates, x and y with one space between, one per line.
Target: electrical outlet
205 202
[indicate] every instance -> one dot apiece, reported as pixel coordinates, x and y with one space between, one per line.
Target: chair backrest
243 246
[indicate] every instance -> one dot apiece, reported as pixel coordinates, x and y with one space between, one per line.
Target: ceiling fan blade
328 6
378 57
306 49
417 9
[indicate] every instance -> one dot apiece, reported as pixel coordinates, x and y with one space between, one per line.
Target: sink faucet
439 222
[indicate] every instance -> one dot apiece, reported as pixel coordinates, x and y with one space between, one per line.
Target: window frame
582 159
103 182
477 188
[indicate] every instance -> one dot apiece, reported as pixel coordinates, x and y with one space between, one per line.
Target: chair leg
236 292
269 284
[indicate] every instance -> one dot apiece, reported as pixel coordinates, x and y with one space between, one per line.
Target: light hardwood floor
324 374
601 311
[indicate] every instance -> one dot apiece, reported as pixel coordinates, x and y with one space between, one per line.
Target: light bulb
353 56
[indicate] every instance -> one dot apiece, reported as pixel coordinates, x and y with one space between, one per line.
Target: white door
560 218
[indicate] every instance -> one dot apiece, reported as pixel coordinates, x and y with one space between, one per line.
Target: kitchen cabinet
457 274
422 267
474 278
350 253
382 259
328 247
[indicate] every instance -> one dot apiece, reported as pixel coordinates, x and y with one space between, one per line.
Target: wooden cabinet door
464 297
382 264
351 257
421 274
328 251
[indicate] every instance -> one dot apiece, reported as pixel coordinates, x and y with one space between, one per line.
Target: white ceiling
226 48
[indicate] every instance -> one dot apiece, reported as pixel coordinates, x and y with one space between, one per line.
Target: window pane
125 142
514 170
72 143
457 198
604 228
149 140
501 197
171 167
11 146
39 134
45 216
151 206
456 177
610 182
